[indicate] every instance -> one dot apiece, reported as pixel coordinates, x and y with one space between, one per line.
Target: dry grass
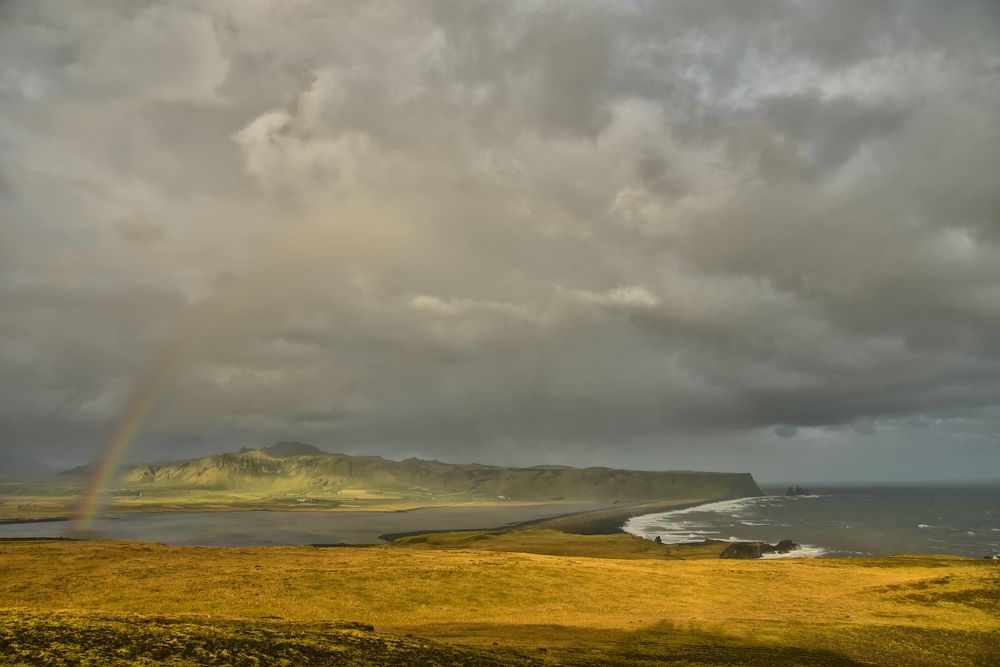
582 610
555 543
130 639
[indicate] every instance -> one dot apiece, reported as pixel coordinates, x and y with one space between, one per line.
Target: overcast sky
752 236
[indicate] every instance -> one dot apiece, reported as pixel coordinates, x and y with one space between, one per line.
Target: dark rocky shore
752 550
746 550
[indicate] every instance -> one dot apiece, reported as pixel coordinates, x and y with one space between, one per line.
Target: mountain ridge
290 466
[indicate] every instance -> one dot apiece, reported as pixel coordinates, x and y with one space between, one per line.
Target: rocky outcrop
753 550
785 546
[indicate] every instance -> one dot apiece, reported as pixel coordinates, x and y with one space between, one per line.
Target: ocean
838 522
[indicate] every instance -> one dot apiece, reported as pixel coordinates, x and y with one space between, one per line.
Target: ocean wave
804 551
950 522
674 526
646 524
727 506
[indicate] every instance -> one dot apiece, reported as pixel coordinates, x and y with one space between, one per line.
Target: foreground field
448 604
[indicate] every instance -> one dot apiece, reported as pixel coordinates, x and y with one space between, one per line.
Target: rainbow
141 402
202 318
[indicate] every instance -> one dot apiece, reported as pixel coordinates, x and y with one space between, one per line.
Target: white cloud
637 297
284 160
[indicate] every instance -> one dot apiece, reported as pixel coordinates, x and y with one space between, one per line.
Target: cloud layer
749 236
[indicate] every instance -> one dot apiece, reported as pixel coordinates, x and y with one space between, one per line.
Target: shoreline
49 519
611 521
304 508
611 507
605 521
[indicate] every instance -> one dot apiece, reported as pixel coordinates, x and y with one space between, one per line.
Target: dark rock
785 546
751 550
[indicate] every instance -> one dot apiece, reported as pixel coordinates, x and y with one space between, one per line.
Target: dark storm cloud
729 234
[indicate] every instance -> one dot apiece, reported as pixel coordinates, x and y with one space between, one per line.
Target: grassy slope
66 638
342 471
581 610
302 469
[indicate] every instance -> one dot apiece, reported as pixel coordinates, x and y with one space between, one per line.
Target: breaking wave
679 526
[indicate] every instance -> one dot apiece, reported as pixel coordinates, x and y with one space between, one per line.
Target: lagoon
285 528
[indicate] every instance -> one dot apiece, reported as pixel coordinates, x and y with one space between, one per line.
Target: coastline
611 521
48 519
195 508
605 521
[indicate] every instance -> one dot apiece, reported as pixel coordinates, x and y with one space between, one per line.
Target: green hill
301 468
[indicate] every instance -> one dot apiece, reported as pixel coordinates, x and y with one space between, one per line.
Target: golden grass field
484 598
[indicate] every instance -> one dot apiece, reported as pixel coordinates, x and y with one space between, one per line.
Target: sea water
961 521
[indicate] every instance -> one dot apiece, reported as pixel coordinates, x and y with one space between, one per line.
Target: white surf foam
673 528
804 551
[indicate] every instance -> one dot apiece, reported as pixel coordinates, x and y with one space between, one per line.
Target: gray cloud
738 235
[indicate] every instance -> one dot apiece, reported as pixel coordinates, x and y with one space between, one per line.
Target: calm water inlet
256 528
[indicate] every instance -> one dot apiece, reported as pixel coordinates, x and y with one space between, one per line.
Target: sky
714 235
